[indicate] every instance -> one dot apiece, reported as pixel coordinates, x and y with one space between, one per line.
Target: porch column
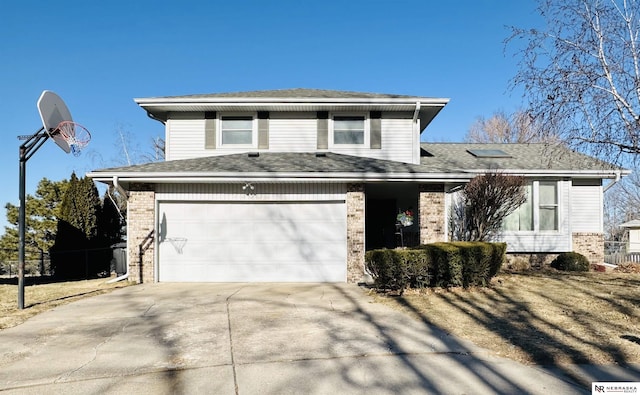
355 233
140 233
431 211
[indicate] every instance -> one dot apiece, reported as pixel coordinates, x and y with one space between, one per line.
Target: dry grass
42 295
544 317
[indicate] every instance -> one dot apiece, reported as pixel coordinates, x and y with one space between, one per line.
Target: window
540 211
348 130
488 153
522 218
548 205
236 130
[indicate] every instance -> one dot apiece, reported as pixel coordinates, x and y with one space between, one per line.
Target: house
633 240
295 185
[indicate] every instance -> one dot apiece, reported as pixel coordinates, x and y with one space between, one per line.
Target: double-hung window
349 130
548 205
236 130
540 212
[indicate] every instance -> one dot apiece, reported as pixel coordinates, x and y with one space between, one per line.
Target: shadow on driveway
250 339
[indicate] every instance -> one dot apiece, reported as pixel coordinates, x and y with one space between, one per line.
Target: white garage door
253 242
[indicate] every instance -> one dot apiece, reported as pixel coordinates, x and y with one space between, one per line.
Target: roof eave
429 101
199 177
599 173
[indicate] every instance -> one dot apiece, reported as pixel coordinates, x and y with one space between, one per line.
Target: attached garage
302 241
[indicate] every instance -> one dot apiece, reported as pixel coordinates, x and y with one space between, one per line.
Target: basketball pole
27 149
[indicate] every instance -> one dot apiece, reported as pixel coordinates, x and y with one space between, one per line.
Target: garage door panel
265 273
262 242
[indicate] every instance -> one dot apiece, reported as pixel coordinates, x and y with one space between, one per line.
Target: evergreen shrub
571 262
436 265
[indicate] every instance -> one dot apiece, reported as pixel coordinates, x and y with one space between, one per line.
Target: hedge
436 265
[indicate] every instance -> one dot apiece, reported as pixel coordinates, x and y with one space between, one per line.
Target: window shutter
375 130
210 129
263 129
323 129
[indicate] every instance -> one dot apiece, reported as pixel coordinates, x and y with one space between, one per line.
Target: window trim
367 129
254 130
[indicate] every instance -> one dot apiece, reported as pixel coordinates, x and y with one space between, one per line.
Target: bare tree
581 73
622 204
128 150
519 127
484 204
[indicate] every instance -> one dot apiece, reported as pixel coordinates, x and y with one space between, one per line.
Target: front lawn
43 295
540 317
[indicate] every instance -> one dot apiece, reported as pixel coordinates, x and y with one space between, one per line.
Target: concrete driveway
250 339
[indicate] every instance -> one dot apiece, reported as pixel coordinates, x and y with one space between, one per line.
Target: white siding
586 206
185 139
262 192
293 132
397 142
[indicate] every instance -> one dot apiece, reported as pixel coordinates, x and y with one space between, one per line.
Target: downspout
614 182
120 189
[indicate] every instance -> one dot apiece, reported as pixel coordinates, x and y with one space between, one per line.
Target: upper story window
349 130
236 130
540 212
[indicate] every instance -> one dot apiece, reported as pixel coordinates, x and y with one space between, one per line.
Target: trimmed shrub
466 263
383 266
447 264
498 256
398 269
436 265
571 261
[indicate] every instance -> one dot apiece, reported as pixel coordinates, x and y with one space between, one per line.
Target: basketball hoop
76 135
177 243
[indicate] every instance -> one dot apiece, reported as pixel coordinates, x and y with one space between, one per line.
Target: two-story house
295 185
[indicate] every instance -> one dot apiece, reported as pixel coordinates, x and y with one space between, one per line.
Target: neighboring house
295 185
633 240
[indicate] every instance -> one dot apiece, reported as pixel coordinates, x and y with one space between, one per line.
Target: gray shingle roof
439 161
267 162
297 93
455 156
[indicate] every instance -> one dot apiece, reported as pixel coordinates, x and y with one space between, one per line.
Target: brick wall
355 232
141 216
590 245
432 213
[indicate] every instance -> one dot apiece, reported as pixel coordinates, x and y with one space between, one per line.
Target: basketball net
76 135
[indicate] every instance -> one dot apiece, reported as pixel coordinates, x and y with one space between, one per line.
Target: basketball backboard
53 111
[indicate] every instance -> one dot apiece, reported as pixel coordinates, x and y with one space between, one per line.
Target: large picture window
349 130
540 212
236 130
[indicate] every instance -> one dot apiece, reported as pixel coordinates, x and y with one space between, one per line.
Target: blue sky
99 56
